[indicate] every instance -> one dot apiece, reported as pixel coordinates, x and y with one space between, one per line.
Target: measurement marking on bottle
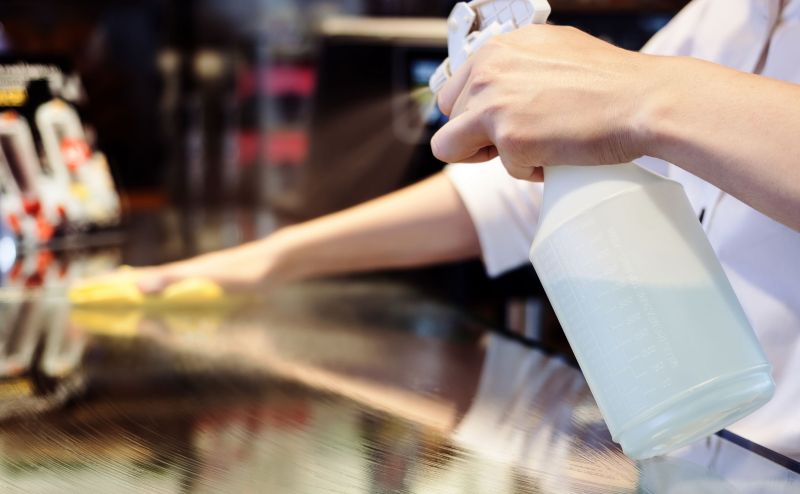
607 313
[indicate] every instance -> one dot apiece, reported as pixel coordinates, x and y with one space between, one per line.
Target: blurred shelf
616 6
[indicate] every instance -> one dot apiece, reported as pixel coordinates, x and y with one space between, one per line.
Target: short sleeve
504 210
677 37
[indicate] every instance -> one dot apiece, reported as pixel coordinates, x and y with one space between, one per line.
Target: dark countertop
359 385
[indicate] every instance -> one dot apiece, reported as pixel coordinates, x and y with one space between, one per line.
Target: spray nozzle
471 24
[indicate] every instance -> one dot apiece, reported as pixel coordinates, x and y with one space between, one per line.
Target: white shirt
760 256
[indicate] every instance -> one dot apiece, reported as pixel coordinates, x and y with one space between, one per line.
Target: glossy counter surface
350 386
335 386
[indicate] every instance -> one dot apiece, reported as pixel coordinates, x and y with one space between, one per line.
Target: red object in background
16 270
44 229
283 147
245 84
277 80
35 279
289 79
287 147
44 260
31 206
280 147
75 152
14 223
248 147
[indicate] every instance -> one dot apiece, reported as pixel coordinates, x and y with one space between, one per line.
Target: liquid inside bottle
655 325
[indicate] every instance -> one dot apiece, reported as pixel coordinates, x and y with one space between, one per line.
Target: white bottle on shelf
33 202
72 159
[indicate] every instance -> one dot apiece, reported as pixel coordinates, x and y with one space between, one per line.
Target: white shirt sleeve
676 37
504 210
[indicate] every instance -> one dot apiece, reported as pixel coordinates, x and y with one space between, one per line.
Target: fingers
449 94
153 280
528 172
482 156
462 139
476 100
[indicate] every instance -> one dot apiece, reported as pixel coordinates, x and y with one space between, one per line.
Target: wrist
284 261
664 99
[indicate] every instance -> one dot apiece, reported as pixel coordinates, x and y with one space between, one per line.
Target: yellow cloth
114 291
192 290
112 322
122 290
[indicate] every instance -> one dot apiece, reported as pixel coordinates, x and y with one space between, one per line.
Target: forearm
423 224
738 131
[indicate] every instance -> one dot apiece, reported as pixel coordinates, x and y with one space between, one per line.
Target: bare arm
423 224
738 131
550 95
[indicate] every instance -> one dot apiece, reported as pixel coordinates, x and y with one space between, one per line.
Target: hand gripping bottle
645 304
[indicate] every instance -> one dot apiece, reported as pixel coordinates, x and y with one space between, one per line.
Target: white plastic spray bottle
660 336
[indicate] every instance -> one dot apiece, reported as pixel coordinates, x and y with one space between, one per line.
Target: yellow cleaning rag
121 289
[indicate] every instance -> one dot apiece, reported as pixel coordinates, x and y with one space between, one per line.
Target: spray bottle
654 323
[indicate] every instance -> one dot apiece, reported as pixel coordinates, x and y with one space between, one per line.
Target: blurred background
228 119
137 132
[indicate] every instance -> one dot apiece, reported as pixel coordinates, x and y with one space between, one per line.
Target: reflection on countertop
331 386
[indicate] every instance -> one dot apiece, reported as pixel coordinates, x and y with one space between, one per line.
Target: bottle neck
559 178
569 190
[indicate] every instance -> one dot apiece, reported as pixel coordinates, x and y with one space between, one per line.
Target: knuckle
508 139
482 78
493 110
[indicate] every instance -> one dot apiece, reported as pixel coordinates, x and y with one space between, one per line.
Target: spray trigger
471 24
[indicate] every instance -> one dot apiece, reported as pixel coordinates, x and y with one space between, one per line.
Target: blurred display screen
421 71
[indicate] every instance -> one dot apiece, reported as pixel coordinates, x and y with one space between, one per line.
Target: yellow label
13 97
16 387
80 191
